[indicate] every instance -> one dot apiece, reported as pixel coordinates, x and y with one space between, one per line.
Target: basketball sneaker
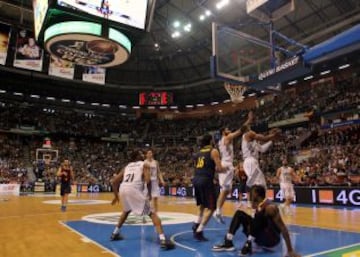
199 236
116 237
219 218
195 227
246 249
226 246
166 244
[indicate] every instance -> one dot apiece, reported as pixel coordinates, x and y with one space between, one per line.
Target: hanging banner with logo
94 75
61 68
4 42
28 54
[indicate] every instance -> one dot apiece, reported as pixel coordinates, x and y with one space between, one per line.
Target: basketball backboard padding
269 10
296 71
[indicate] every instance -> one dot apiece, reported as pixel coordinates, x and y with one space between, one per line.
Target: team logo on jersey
167 218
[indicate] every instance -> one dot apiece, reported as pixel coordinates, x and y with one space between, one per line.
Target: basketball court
33 225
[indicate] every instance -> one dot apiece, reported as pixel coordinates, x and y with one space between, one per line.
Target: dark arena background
92 80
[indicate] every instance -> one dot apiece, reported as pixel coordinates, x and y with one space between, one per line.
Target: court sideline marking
332 250
89 240
38 214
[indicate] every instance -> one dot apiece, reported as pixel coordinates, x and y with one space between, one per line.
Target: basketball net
47 161
235 91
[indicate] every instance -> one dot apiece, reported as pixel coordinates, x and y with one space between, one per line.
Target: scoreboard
155 98
91 32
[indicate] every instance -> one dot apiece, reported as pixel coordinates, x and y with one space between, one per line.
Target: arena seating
337 151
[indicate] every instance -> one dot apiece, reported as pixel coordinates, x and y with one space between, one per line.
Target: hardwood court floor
31 227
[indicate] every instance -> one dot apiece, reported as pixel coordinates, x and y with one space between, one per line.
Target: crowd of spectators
333 160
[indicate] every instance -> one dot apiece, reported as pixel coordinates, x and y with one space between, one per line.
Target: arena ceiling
179 65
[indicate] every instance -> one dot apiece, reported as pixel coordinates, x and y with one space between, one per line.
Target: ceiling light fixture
344 66
325 72
176 34
308 77
187 27
221 4
176 24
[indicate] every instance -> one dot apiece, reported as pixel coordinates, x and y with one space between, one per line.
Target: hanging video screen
40 8
128 12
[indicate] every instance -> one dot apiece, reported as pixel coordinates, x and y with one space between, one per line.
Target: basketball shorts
243 187
205 192
134 200
253 172
265 235
226 178
65 188
268 237
155 189
287 190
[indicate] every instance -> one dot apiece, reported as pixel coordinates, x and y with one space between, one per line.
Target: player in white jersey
251 148
133 179
226 150
286 176
156 178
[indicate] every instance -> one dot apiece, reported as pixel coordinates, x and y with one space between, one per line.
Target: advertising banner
94 75
28 54
61 68
4 42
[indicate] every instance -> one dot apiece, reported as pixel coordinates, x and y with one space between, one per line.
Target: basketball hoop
47 162
235 91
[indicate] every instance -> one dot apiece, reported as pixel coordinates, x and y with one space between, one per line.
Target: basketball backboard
245 59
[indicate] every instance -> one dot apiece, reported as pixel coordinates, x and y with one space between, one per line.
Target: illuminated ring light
81 43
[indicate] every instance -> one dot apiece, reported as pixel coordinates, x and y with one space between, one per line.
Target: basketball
102 47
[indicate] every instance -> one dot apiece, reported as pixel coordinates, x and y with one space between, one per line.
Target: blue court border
141 241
